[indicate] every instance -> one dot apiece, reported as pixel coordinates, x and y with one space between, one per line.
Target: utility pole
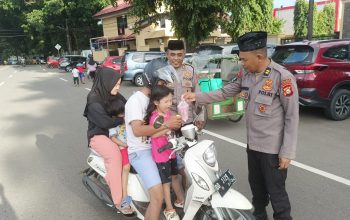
68 38
310 20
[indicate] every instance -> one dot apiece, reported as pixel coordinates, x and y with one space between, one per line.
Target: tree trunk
310 20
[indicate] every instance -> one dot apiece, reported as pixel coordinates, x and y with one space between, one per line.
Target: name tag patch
263 92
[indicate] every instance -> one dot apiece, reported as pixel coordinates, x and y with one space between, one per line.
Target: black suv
68 62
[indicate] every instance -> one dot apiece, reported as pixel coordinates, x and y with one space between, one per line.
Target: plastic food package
182 109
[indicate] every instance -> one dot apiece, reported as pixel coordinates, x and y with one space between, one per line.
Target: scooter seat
94 152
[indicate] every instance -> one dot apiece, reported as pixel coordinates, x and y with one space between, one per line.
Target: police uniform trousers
267 182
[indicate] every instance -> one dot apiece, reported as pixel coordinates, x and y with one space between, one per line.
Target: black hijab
106 79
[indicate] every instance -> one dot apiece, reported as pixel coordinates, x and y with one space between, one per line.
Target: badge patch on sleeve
287 87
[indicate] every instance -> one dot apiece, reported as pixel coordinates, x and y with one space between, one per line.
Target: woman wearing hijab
104 89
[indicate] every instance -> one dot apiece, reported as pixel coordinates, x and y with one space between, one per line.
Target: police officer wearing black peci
272 117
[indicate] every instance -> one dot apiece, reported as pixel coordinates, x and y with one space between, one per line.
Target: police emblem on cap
287 87
267 85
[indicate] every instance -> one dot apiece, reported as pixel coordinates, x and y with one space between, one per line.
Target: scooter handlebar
169 145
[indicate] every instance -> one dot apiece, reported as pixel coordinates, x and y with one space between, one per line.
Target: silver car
133 64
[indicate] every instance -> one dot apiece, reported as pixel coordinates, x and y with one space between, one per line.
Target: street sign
58 47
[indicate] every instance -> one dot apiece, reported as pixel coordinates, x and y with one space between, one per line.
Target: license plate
224 183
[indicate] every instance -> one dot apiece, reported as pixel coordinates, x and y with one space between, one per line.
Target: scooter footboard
232 199
135 189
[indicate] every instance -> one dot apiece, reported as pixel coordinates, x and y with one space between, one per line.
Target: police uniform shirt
188 83
271 106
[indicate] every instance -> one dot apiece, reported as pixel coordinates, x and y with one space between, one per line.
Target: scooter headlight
209 156
200 181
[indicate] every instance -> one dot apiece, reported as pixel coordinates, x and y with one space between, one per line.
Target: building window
162 23
122 24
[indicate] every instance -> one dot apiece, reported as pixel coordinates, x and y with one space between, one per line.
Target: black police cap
252 41
176 45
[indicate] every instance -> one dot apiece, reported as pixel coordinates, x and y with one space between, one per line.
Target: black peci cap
252 41
176 45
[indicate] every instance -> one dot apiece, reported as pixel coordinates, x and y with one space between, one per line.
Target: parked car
69 61
133 64
112 62
52 62
321 69
188 58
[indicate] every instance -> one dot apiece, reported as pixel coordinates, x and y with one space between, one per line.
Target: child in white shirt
75 73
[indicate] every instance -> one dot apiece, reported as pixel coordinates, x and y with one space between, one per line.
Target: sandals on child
179 204
125 207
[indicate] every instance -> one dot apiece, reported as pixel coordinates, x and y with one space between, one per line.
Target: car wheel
138 79
339 107
68 68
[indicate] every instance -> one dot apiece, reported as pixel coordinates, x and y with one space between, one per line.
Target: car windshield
293 54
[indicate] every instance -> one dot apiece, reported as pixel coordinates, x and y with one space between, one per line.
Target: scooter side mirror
158 122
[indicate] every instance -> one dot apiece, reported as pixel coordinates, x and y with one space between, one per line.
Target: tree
300 18
326 20
194 20
323 21
254 15
33 27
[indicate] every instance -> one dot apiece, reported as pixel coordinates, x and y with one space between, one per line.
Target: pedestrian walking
272 117
75 73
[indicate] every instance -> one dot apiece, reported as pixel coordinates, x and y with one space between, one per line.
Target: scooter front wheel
209 213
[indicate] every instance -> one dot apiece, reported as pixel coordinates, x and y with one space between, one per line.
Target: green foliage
194 20
254 15
42 22
323 21
326 20
300 18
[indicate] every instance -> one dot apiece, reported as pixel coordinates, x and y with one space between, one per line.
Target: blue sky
278 3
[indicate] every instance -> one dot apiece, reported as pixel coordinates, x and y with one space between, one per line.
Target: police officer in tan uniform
272 117
187 80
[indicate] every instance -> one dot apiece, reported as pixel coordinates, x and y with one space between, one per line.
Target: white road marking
64 79
295 163
88 89
2 83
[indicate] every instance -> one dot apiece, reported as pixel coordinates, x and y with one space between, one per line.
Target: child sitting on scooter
118 136
159 105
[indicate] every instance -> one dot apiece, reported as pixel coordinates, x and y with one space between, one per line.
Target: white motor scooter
209 194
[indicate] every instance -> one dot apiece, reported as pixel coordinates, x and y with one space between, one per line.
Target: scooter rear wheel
208 213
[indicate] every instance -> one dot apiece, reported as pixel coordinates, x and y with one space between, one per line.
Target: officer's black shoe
261 215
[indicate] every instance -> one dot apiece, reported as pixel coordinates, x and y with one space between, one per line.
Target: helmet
159 69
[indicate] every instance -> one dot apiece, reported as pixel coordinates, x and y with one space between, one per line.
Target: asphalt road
44 148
